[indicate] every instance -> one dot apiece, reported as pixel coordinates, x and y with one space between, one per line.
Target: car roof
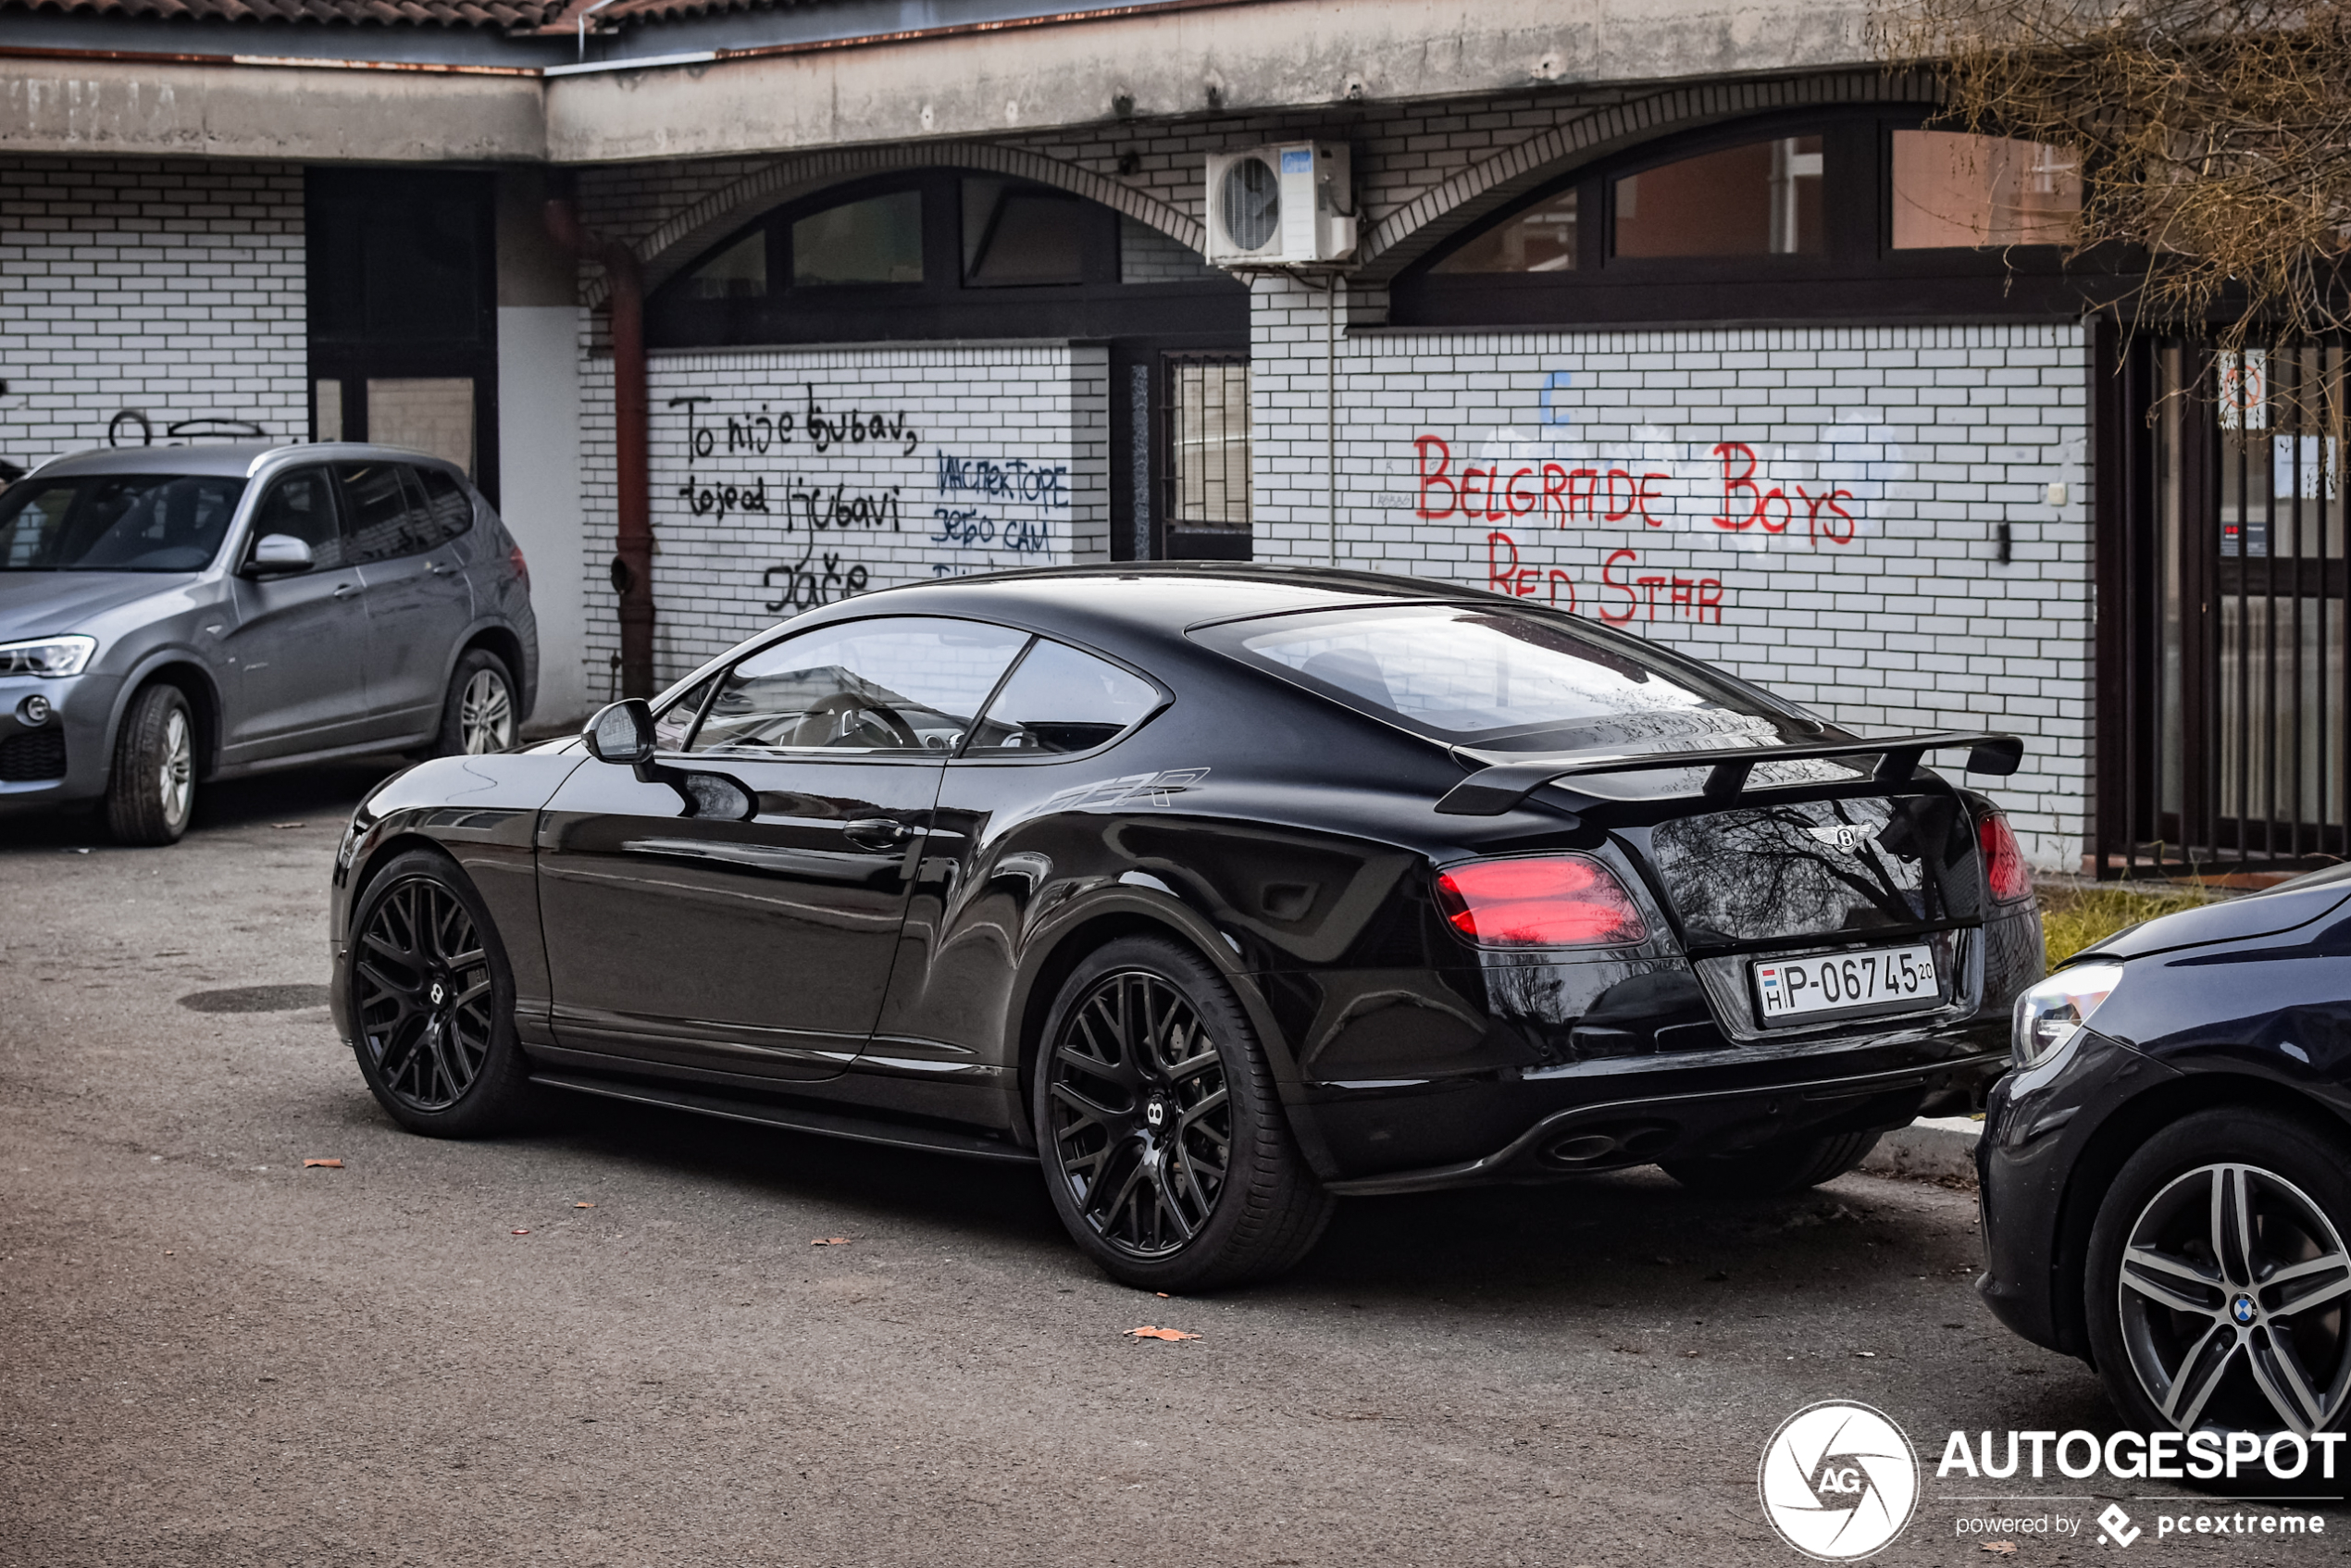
239 459
1162 596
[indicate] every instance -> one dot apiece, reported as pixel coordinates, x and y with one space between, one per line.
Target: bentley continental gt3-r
1218 892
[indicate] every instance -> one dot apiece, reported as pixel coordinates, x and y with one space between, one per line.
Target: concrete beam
1272 57
118 108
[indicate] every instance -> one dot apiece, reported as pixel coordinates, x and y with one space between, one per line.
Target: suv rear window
1502 678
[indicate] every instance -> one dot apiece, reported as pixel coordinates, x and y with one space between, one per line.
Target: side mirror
279 554
622 733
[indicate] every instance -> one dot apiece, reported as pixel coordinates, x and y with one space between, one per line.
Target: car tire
151 791
443 1062
2193 1340
1171 1172
1777 1167
480 713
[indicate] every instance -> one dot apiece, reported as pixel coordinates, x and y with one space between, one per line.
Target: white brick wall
174 289
935 461
1884 460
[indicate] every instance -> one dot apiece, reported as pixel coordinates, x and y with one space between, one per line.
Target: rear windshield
116 522
1504 679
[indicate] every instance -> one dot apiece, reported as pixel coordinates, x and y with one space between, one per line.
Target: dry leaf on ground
323 1165
1148 1332
583 1205
2004 1548
522 1233
830 1241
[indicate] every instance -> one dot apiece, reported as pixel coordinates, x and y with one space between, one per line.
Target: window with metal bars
2222 737
1208 457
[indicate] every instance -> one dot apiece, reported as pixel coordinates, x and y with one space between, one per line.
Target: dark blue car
2167 1170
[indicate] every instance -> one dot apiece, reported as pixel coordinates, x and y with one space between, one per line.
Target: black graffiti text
812 580
704 500
838 508
856 427
1011 478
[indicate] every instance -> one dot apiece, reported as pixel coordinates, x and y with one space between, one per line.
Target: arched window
943 254
1863 215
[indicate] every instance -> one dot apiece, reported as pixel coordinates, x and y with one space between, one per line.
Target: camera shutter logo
1838 1481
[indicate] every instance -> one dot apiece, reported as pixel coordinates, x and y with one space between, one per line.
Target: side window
675 722
1060 700
381 524
302 504
447 503
911 683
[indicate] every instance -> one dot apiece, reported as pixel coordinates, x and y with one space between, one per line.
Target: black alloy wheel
432 1001
2221 1282
1163 1139
1143 1119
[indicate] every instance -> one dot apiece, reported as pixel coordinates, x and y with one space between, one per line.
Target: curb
1927 1149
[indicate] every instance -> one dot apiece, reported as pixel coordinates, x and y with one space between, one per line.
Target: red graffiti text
1696 599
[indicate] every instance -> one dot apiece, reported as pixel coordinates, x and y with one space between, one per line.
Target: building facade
1685 320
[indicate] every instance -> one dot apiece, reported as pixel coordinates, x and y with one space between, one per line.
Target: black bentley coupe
1216 891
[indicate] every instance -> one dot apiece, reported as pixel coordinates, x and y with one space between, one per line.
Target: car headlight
2052 1012
47 656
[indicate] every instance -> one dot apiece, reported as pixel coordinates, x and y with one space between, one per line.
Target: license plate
1884 978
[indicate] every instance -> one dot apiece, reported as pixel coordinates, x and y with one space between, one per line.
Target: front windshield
116 522
1504 679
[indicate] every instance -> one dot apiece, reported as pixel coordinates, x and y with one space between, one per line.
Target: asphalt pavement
615 1342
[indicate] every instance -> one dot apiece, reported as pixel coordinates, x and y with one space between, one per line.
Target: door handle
345 590
876 832
438 568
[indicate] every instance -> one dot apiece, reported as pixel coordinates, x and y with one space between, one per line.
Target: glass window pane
1060 700
447 503
1208 444
385 521
1496 677
912 683
300 504
875 240
1956 190
117 523
1015 234
674 723
737 272
432 413
1541 239
1762 199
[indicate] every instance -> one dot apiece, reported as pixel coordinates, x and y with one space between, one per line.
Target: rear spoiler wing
1503 787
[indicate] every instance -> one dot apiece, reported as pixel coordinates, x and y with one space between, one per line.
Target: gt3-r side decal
1134 788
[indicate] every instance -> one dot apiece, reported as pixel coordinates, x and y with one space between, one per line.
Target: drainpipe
633 561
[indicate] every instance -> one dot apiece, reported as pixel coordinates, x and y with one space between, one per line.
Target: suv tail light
2004 871
522 568
1540 900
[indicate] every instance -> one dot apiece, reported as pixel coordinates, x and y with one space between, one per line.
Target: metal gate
2222 744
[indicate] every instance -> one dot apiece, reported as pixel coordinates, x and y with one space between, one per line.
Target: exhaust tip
1628 1144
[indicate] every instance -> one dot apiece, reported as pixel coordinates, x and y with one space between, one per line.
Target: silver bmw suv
173 614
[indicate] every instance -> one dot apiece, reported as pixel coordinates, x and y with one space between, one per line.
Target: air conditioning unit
1283 205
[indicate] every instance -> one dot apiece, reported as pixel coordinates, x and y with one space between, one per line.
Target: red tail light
522 568
2004 871
1540 900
